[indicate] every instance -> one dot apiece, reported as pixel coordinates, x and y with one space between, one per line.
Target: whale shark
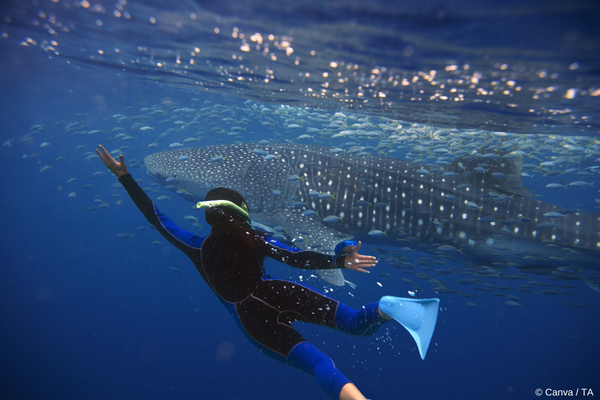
474 209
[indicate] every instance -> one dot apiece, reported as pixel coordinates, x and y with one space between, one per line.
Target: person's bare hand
357 262
117 168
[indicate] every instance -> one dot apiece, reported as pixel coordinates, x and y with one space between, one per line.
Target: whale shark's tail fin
418 316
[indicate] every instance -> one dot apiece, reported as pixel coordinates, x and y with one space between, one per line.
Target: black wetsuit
231 263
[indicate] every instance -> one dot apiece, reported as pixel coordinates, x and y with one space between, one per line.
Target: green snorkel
226 203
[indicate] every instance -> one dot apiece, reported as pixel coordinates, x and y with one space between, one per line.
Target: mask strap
226 203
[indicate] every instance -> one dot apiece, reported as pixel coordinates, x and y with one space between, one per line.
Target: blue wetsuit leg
266 318
309 359
364 322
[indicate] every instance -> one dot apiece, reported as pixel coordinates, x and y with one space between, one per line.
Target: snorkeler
230 260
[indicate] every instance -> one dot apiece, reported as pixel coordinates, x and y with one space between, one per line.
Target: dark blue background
87 315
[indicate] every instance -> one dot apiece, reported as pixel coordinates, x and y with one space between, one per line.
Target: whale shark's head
193 172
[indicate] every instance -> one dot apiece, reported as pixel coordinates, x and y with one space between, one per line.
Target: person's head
223 214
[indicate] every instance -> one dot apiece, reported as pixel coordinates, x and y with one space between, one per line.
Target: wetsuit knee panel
313 361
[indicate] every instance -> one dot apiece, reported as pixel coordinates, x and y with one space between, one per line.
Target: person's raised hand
117 168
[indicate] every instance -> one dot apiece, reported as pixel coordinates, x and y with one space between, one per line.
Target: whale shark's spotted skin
489 214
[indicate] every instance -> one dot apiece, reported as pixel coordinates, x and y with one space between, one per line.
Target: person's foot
351 392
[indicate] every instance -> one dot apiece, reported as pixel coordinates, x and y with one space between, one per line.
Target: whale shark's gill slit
262 183
337 183
267 199
249 184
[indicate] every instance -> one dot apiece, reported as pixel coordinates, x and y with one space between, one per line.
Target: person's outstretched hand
357 262
117 168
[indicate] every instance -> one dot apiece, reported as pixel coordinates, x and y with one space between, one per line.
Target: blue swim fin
418 316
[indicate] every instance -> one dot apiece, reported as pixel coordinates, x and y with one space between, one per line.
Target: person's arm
311 260
180 238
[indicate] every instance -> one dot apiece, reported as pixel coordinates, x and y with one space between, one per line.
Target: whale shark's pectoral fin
308 233
332 276
592 284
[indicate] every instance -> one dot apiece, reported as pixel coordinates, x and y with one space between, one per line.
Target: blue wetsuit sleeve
180 238
300 259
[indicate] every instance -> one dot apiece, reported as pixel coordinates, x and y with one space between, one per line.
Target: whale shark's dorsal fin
510 185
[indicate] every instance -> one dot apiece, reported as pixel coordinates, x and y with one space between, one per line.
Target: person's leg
307 358
301 303
268 327
304 304
262 325
364 322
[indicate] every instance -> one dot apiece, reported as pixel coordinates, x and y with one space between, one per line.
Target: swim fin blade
418 316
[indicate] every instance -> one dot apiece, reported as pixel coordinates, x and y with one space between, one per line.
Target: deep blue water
87 315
